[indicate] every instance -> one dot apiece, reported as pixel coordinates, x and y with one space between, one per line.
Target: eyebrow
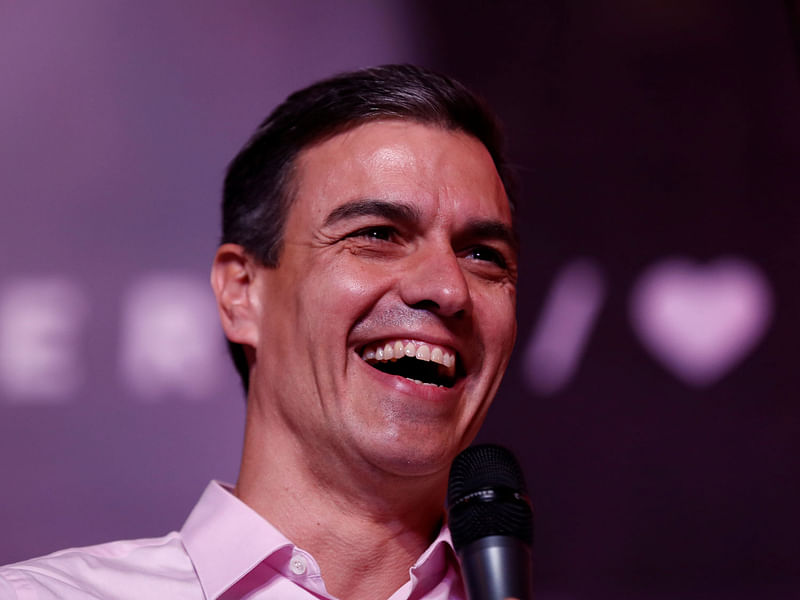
373 208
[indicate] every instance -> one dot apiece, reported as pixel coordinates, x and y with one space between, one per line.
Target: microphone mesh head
486 496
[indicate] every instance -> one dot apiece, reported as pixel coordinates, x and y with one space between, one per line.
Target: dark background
642 131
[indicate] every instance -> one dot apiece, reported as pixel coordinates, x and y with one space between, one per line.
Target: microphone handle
497 567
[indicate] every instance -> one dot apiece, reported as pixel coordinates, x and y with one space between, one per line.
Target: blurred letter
556 346
171 340
39 324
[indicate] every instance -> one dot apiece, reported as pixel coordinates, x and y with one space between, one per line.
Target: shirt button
298 564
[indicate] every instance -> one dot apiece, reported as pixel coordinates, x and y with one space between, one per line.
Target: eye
378 233
487 254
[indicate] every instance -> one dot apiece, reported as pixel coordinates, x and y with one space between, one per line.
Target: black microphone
491 522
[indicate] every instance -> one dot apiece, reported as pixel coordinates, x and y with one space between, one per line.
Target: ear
233 275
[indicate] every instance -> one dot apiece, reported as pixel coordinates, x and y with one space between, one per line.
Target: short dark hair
257 191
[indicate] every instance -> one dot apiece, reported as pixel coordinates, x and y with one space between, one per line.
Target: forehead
436 169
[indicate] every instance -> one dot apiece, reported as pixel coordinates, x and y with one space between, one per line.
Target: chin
408 459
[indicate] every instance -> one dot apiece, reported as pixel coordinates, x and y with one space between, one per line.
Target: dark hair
257 191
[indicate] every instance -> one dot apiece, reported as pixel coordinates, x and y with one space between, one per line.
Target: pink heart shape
701 320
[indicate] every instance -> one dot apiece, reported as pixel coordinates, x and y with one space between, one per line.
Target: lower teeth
424 382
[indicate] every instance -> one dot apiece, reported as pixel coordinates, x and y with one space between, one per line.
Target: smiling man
366 283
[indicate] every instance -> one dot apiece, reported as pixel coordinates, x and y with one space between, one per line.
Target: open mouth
419 362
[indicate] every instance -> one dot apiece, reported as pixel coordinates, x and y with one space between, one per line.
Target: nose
436 282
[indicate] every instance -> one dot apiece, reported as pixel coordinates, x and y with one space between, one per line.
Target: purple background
642 131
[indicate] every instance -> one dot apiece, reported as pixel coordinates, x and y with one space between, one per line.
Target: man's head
378 315
259 187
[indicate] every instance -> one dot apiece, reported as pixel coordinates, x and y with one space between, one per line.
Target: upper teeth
395 349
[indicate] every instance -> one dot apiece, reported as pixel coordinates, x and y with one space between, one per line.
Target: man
366 283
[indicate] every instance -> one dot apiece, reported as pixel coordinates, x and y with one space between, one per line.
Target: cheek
498 322
340 293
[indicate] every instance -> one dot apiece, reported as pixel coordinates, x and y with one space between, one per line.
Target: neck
364 527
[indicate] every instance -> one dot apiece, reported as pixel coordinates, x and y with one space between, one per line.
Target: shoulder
155 567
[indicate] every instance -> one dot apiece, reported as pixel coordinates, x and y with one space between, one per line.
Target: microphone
491 522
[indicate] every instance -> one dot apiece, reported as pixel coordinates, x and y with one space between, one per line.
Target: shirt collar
435 563
226 539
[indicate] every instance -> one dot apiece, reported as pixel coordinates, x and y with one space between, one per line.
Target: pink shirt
225 550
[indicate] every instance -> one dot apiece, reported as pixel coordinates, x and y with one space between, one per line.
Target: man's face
397 244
